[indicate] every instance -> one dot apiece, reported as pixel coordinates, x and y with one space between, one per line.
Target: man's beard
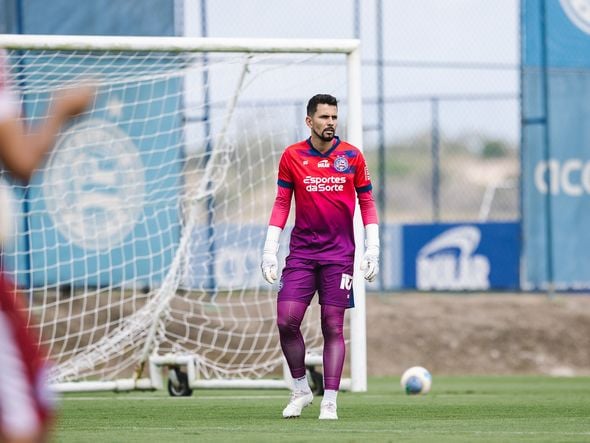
325 138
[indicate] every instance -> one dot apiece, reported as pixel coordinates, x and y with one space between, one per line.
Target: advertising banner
455 257
108 198
105 211
556 143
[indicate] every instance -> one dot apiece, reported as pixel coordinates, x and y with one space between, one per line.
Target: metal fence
441 95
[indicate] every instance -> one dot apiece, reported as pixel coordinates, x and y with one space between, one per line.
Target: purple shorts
301 278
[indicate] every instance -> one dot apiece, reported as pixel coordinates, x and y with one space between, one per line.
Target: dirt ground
479 334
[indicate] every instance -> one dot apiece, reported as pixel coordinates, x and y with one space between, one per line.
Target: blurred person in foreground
26 403
326 175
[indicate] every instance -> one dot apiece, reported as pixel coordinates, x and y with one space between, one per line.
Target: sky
453 50
421 39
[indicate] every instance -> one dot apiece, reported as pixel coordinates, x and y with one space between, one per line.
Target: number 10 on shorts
346 282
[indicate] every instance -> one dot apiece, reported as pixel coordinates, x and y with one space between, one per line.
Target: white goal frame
349 47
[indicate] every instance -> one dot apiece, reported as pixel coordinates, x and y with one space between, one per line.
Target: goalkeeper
25 401
326 175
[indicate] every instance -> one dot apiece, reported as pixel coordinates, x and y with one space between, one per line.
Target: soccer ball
416 380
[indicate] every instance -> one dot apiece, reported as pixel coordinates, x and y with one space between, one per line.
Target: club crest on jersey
323 164
341 164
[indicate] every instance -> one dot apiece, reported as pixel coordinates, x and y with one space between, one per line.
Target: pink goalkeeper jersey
325 187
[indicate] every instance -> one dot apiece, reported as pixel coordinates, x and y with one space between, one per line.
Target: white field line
193 398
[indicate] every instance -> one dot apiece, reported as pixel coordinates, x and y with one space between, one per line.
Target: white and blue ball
416 380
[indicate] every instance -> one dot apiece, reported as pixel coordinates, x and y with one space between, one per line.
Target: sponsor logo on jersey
323 164
341 164
324 184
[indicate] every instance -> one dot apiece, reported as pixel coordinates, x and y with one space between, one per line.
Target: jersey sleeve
282 204
362 178
285 179
364 189
281 207
368 208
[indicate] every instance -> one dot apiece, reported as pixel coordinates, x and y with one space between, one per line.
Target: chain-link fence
434 174
441 96
440 89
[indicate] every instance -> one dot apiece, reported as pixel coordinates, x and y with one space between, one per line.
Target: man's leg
289 317
334 346
333 357
336 295
298 286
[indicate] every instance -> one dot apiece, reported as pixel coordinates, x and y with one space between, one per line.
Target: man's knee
288 325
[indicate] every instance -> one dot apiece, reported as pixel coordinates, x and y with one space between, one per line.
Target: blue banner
232 259
556 142
105 212
97 17
472 257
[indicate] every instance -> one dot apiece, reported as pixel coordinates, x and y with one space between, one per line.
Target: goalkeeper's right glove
270 263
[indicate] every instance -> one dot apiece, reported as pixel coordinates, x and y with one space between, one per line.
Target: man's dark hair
324 99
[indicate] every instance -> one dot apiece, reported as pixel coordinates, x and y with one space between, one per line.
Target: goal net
139 241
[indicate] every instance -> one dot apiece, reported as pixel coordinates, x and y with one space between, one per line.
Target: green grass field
458 409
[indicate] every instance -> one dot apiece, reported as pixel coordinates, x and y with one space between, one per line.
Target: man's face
323 122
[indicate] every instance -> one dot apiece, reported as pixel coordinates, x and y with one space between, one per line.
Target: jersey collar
317 153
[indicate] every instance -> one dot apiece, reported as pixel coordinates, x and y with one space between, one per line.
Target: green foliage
459 409
494 149
400 162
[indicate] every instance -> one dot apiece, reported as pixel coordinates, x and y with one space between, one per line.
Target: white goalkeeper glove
370 262
270 263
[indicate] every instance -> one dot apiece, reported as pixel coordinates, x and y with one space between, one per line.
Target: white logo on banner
448 262
578 11
570 177
94 185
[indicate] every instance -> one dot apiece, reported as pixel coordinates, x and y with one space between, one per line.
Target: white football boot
299 400
328 411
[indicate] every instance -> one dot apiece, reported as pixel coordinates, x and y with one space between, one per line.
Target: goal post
137 244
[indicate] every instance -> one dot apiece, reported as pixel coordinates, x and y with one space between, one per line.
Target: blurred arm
21 152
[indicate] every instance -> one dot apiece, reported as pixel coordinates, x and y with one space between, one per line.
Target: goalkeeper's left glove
370 262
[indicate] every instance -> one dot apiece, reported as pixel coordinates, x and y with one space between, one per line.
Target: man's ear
308 121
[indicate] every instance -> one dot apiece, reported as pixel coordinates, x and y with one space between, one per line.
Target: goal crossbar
177 44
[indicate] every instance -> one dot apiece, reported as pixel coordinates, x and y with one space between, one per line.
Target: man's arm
278 219
21 152
370 261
